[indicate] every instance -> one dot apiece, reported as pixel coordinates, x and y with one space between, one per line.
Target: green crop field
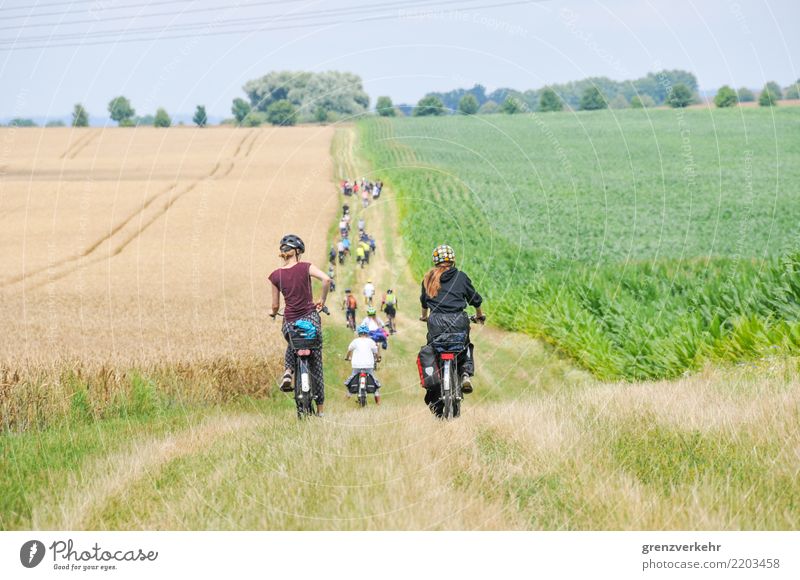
641 243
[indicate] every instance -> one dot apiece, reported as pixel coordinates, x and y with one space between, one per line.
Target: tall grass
71 392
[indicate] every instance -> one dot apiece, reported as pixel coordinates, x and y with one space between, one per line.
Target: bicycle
448 346
351 320
366 385
305 394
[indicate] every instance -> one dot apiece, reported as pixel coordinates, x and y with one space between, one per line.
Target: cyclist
293 281
365 246
369 292
389 306
340 251
361 258
349 305
363 353
446 292
332 255
332 276
376 327
361 224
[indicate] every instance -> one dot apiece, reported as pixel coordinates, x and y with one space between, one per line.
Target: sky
401 49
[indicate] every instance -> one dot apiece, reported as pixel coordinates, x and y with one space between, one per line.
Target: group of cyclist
364 245
445 294
365 188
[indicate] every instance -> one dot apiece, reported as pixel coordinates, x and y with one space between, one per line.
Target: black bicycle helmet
292 242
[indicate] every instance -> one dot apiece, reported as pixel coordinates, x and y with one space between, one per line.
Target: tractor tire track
78 144
77 505
75 262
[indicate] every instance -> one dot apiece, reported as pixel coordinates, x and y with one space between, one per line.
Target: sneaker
286 382
466 384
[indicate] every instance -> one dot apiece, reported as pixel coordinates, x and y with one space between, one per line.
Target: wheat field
148 249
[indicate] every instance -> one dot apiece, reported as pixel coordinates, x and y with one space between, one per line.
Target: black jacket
454 295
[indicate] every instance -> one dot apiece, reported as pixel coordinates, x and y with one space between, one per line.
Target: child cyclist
349 305
363 354
376 327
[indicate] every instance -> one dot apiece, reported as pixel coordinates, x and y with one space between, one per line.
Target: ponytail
291 252
433 279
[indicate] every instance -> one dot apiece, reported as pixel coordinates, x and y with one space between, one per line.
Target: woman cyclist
293 281
445 293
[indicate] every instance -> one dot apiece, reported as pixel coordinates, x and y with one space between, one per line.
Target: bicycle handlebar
324 309
474 319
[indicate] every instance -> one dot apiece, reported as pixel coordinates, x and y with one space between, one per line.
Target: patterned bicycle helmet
371 311
292 242
363 329
443 254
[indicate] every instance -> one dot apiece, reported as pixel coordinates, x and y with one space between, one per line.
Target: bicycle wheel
302 399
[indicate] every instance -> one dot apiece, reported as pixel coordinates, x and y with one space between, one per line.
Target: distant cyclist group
445 364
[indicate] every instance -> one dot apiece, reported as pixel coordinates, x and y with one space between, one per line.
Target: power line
79 2
236 22
148 15
363 7
257 29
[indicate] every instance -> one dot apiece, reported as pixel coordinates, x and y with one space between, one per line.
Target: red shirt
295 285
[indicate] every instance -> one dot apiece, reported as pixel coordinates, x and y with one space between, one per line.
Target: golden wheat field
137 245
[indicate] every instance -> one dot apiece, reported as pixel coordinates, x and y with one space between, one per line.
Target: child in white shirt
363 354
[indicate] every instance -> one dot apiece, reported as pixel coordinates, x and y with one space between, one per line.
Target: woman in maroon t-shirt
293 281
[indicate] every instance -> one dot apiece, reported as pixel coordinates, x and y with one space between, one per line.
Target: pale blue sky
741 42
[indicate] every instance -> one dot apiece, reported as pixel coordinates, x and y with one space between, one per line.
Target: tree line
287 98
674 88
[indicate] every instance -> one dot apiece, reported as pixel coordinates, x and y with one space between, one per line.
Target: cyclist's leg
290 357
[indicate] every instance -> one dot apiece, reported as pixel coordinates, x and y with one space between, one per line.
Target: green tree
161 119
642 102
746 95
337 92
488 108
384 107
767 98
320 115
468 105
200 117
793 90
592 100
240 109
775 89
144 121
121 111
80 118
725 97
550 101
282 113
254 119
55 123
619 102
511 106
680 96
429 106
20 122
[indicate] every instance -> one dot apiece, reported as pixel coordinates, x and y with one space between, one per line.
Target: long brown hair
433 279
